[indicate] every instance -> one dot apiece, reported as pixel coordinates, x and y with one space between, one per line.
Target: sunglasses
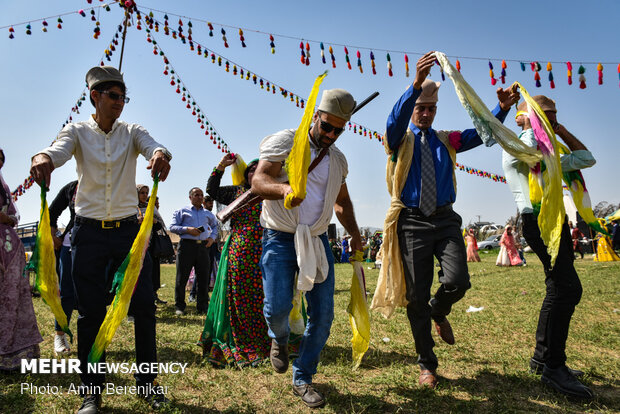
327 127
115 97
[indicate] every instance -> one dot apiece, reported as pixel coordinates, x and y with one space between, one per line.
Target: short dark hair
104 86
208 198
194 188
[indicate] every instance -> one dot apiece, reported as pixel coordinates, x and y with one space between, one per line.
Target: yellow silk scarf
237 170
358 311
552 213
298 160
43 263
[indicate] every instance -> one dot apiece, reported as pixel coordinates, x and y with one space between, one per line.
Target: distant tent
571 209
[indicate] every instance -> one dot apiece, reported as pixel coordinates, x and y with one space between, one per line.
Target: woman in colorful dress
238 336
472 247
19 333
604 251
508 254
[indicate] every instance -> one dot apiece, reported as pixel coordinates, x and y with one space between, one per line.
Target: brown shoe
444 330
428 378
311 397
279 357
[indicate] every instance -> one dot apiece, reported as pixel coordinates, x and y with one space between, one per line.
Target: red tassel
458 65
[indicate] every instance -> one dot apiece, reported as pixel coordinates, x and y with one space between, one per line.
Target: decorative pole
129 6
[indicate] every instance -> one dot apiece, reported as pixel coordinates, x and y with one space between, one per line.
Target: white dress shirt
106 165
311 257
311 209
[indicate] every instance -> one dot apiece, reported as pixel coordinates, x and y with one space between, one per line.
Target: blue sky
44 75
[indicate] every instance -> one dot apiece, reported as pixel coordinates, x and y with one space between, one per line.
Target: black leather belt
439 210
106 224
192 241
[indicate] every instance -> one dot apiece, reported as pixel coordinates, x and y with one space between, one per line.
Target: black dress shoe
90 404
279 357
564 382
154 394
536 367
311 397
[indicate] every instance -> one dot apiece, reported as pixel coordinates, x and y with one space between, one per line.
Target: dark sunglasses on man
327 127
115 96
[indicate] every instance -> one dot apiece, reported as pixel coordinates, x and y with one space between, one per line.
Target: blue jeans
279 266
67 292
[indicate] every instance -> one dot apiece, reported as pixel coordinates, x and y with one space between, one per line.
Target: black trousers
420 239
156 274
96 254
197 255
563 294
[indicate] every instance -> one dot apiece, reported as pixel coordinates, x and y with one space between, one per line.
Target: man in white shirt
295 240
562 281
105 151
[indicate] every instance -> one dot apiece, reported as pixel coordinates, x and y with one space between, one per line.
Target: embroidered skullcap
100 74
337 102
430 90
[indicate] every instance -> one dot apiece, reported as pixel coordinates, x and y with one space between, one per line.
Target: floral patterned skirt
19 333
245 342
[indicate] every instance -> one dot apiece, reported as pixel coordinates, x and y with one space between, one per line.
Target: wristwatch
166 153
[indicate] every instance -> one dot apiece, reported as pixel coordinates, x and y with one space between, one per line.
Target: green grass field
485 371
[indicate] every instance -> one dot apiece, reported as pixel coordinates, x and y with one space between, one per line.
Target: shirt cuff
163 151
49 154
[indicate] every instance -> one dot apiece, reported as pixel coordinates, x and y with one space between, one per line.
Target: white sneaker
179 312
61 345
